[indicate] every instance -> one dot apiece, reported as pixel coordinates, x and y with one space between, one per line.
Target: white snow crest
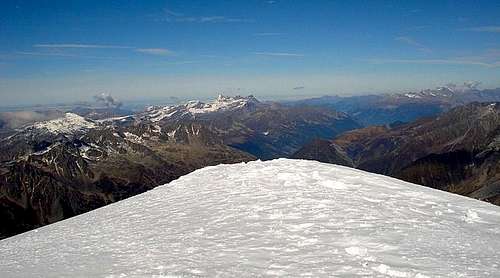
275 218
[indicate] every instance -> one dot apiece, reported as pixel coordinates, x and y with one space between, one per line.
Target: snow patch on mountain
133 138
448 91
222 103
196 107
68 124
274 218
47 149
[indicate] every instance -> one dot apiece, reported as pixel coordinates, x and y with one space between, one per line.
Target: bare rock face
457 151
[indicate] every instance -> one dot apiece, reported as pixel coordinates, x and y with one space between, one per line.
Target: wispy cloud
66 55
217 19
155 51
172 16
151 51
208 56
184 62
435 62
268 34
283 54
488 29
411 42
172 13
418 27
31 53
74 45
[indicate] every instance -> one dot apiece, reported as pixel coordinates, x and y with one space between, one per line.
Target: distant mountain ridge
195 107
385 109
265 130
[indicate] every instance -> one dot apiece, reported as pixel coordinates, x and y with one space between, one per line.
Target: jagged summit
195 107
276 218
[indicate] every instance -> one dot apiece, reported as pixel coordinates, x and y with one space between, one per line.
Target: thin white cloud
31 53
282 54
435 62
208 56
74 45
219 19
152 51
184 62
267 34
172 13
173 16
66 55
411 42
488 29
155 51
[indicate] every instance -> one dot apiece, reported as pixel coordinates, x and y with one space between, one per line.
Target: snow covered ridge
447 91
274 218
194 107
68 124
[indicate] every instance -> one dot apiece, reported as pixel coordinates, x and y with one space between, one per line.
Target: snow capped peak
220 97
448 91
194 107
67 124
222 103
282 217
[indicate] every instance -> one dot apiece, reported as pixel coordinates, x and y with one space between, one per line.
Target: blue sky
71 50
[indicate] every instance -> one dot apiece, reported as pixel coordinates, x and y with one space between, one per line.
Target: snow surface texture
275 218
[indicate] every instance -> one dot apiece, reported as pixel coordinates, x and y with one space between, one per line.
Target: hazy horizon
58 52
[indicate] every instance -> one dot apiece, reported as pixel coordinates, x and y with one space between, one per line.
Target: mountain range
55 169
265 130
393 109
56 164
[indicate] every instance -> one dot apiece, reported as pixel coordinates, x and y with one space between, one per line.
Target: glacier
274 218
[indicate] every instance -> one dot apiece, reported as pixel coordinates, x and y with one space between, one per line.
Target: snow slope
282 217
68 124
